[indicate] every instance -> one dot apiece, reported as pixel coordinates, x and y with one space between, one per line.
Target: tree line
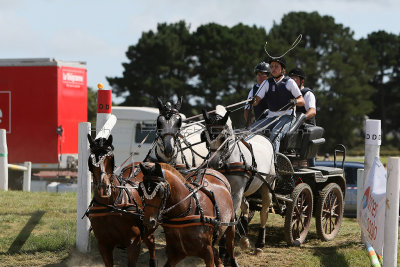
214 65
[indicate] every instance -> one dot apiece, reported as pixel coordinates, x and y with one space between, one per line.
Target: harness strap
176 204
107 210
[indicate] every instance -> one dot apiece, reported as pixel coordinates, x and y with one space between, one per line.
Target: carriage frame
302 192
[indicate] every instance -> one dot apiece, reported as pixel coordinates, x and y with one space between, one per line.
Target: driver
279 91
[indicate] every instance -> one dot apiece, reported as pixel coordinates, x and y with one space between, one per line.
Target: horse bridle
161 184
100 164
221 136
161 134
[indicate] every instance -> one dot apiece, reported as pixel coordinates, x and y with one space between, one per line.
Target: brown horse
194 215
116 207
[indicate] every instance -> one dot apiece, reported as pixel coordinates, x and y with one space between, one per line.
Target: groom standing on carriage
262 72
282 94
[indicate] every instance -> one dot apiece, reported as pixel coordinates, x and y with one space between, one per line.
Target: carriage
295 188
301 191
298 191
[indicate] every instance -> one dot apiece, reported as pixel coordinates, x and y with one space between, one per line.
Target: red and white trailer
42 101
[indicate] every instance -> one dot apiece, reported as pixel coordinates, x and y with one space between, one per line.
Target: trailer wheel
329 213
299 214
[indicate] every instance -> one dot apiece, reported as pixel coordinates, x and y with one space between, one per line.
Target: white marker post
372 148
27 177
3 161
372 144
392 213
104 102
83 190
360 191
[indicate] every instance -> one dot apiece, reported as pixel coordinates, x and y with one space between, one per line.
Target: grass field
38 229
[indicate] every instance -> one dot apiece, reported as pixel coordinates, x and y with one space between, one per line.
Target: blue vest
303 108
261 107
278 95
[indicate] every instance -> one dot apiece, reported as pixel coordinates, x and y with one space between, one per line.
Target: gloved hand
293 101
252 100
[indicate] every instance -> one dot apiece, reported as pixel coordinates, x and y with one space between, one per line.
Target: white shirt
309 98
291 86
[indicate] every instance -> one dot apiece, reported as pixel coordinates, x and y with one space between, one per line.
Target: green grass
38 229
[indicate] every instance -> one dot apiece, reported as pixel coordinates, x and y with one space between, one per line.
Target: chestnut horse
194 215
116 207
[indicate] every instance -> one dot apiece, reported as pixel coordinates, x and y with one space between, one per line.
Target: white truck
133 125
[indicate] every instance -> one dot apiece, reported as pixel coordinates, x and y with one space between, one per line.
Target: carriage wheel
329 212
299 214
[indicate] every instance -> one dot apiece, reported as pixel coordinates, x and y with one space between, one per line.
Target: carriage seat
302 139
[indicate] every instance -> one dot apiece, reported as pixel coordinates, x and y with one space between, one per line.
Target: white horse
177 143
255 150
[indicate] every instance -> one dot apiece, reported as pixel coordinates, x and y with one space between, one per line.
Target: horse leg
174 256
230 246
266 201
106 253
222 248
133 251
244 218
151 245
217 259
208 256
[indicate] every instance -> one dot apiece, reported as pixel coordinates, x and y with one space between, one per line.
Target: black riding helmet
262 67
297 72
280 60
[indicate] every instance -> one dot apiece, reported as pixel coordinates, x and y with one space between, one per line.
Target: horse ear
145 170
160 104
90 139
205 115
178 104
110 140
158 170
226 117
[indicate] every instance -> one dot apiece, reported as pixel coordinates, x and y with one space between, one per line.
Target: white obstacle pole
372 148
3 161
105 131
372 144
83 190
104 103
27 177
392 213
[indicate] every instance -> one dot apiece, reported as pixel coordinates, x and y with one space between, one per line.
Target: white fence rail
5 166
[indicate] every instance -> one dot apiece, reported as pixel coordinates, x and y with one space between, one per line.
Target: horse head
169 123
101 165
154 190
218 129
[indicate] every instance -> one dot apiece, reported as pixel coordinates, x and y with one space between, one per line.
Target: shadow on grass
25 232
329 255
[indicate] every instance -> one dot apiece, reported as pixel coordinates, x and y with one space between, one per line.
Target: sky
99 32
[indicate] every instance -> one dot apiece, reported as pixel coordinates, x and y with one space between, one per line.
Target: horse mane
221 110
168 167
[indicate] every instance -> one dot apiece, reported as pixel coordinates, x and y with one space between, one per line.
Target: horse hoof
244 243
152 263
296 243
257 252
